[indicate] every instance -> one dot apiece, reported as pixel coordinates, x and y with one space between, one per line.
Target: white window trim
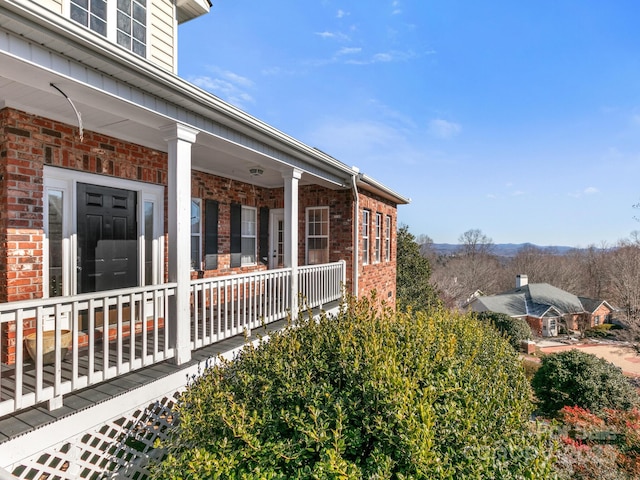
377 245
198 234
387 238
254 210
366 236
65 180
112 25
308 236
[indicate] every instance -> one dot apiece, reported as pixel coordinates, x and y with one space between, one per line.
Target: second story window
131 26
91 14
122 21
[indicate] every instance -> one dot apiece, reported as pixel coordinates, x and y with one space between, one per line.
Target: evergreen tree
413 289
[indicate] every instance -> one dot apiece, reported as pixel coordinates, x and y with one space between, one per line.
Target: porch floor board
19 423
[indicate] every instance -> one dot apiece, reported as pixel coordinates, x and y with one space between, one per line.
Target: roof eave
367 183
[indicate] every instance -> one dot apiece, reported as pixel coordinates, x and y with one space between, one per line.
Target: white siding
53 5
162 31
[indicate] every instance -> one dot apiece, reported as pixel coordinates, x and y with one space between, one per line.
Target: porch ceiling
27 87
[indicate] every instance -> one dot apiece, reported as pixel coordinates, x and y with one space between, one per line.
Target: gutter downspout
356 250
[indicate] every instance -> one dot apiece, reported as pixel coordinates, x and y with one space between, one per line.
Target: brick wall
27 143
381 276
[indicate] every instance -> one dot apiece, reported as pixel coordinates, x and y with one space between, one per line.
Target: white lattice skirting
120 448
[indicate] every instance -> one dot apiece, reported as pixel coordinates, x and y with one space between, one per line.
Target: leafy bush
363 395
605 447
576 378
599 331
516 330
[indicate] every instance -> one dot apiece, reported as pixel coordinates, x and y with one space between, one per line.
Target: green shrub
516 330
363 395
575 378
598 331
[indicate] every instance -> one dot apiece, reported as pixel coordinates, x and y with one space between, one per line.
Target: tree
363 395
413 289
575 378
516 330
474 243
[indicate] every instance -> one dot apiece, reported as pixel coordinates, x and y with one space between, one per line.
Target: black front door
107 238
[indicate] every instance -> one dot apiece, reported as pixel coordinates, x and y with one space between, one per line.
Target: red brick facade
29 142
378 275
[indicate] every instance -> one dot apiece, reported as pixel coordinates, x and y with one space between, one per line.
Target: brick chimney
521 281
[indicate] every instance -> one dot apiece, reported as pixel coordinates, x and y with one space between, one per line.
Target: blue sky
519 118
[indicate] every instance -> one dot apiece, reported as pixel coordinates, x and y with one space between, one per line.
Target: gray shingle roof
534 299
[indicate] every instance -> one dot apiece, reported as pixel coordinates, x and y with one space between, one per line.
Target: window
55 236
131 31
596 320
378 241
248 232
366 222
196 233
387 238
317 235
91 14
123 21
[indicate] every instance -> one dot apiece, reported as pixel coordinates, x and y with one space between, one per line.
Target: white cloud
333 35
586 191
229 86
443 129
341 14
349 50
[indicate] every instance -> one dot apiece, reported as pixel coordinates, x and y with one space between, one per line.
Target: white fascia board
190 9
145 75
367 183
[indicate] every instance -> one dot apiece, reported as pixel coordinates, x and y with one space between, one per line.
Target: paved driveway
621 356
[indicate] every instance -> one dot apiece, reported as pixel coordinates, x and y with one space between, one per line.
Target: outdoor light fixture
256 171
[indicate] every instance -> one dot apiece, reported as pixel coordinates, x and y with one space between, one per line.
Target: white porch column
180 138
291 233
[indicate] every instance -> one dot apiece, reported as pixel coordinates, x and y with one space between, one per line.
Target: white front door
276 238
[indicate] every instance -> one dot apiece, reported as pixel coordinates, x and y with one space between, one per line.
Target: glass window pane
99 9
125 6
55 243
139 48
98 26
195 216
139 13
148 243
124 22
248 250
79 15
139 32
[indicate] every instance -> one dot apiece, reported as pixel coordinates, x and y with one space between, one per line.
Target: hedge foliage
575 378
515 329
363 395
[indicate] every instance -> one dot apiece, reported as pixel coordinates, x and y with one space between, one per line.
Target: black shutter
236 235
211 235
264 235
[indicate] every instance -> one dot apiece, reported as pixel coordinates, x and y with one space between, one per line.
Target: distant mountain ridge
502 249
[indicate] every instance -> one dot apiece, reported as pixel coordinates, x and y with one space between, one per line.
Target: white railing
321 284
222 307
78 341
92 337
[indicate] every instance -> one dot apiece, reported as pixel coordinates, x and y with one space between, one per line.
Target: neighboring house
149 218
545 307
